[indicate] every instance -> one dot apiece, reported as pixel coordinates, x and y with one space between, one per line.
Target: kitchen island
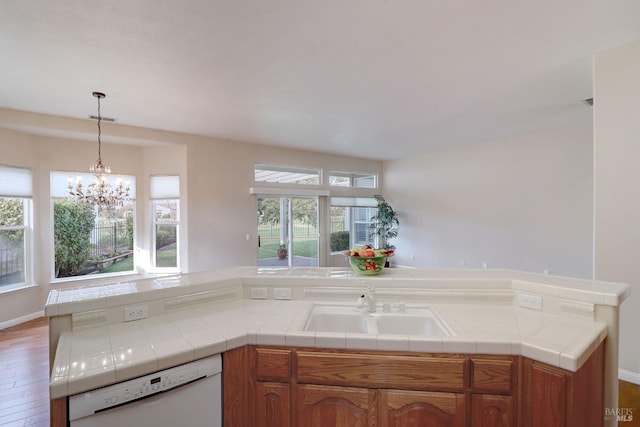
553 325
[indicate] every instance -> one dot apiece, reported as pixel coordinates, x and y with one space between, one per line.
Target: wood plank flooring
24 378
24 374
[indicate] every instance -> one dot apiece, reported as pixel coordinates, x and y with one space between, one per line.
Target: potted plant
282 251
385 223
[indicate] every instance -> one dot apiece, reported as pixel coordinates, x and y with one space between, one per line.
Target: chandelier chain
99 132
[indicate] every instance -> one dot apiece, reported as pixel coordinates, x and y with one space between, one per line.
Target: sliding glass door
287 231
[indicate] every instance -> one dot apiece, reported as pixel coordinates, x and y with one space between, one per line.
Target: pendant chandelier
99 193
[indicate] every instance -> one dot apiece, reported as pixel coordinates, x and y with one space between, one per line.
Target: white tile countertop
199 314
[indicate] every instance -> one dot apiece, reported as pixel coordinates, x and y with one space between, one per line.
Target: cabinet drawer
273 364
493 375
381 371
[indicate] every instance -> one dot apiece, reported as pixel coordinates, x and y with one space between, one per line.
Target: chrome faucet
369 297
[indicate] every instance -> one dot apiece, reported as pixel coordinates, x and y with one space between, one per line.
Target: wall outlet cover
530 301
136 313
282 293
258 293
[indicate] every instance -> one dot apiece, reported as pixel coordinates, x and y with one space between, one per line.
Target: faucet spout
369 298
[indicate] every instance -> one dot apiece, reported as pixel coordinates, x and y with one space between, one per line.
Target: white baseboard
628 376
22 319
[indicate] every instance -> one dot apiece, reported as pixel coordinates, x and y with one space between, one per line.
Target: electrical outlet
258 293
281 293
530 301
136 313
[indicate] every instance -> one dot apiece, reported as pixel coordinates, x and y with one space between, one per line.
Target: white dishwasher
186 395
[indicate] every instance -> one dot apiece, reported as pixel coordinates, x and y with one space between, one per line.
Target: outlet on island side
530 301
258 293
136 313
281 293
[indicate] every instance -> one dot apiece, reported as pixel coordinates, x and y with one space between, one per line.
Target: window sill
9 289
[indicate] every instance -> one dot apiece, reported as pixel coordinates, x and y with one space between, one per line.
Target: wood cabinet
421 408
492 411
553 397
276 386
322 405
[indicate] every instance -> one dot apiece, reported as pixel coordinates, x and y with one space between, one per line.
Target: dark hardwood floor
24 378
24 374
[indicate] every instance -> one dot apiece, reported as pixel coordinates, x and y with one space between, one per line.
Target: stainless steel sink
421 321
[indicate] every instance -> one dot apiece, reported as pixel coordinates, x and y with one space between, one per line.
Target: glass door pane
304 232
287 231
273 231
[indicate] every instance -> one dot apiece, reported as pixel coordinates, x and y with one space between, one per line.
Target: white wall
617 187
522 203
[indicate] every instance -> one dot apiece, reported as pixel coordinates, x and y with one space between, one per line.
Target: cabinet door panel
321 406
492 411
544 395
273 405
414 408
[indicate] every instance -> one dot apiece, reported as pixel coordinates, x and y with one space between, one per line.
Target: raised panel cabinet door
492 411
404 408
544 396
273 405
322 406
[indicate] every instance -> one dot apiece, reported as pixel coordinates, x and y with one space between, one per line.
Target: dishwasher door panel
197 404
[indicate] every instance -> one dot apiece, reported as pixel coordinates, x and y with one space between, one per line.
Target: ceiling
377 79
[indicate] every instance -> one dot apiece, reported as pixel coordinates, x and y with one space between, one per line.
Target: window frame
284 169
158 193
353 177
351 203
27 250
154 229
57 180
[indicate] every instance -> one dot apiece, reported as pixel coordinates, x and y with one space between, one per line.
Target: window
87 240
165 199
349 179
350 223
286 174
15 226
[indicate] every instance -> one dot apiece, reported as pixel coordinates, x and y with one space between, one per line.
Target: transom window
351 179
286 174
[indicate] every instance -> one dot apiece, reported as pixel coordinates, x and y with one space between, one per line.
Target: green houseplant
385 223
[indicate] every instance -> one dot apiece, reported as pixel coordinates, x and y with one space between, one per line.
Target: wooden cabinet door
492 411
273 405
544 395
404 408
322 406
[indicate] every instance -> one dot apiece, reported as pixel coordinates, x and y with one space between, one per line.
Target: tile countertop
200 314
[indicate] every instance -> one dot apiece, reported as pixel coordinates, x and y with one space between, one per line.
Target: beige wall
617 187
222 212
522 203
217 210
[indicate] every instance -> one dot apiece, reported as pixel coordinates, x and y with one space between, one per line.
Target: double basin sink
410 321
